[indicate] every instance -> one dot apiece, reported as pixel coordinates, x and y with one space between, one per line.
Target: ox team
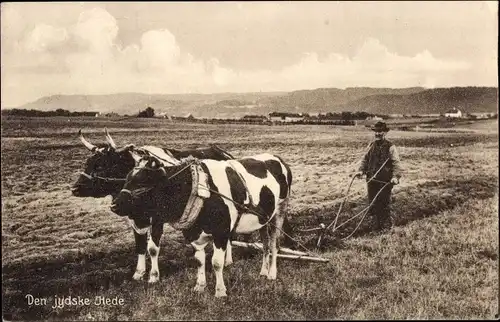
259 186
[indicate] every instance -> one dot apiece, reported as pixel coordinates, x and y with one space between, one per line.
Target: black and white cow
105 173
250 193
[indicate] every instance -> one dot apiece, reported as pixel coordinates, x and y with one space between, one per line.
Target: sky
50 48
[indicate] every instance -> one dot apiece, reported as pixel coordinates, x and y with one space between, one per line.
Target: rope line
259 215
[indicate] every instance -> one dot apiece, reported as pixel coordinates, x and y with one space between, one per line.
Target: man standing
381 166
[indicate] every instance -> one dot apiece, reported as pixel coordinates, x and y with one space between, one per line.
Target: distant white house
285 117
481 115
162 115
454 113
374 118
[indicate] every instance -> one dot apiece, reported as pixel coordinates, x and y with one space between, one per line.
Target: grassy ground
441 259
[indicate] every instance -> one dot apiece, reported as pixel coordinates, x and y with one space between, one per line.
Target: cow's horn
87 144
109 139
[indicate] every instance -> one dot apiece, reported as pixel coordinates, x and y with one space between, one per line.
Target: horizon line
250 92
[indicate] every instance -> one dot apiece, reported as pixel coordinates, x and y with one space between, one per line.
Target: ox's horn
109 139
87 144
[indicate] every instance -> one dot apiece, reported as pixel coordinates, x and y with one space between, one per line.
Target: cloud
373 65
12 26
96 29
159 49
45 37
85 58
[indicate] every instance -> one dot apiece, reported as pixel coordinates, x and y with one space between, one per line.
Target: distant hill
439 100
414 100
132 103
330 98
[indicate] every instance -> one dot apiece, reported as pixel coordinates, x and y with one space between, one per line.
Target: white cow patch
266 157
255 184
248 223
263 157
217 170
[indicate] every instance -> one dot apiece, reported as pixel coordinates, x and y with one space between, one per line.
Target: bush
148 112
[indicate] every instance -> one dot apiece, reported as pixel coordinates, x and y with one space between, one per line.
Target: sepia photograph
249 161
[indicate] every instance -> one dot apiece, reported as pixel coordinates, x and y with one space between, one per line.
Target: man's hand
395 180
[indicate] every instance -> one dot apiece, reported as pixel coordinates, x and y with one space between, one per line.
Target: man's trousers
380 210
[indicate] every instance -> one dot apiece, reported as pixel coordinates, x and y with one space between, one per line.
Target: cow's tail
288 232
223 152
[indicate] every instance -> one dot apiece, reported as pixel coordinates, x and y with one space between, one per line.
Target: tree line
37 113
148 112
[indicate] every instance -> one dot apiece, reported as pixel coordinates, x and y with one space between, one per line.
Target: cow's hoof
272 274
154 277
199 288
220 293
264 272
228 262
138 275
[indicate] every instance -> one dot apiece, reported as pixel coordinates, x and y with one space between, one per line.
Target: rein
105 179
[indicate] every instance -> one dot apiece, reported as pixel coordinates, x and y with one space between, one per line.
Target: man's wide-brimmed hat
380 127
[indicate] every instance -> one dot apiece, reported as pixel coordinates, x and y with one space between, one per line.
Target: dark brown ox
107 167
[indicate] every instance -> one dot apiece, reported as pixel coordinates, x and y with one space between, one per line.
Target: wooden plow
283 252
324 230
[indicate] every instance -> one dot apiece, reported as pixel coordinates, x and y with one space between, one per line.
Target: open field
440 261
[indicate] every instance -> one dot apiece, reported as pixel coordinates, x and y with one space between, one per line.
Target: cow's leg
154 251
199 247
276 226
218 264
264 236
229 254
275 232
140 249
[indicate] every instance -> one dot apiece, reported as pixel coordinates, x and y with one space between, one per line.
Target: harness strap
233 231
140 231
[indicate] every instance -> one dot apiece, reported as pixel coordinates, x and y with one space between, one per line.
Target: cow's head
105 170
151 188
